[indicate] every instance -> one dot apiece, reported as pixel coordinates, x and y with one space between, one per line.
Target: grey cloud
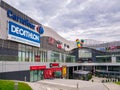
75 15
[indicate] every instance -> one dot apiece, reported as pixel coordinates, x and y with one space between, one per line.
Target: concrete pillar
77 68
48 56
82 67
60 57
94 70
73 71
64 57
113 59
67 73
106 68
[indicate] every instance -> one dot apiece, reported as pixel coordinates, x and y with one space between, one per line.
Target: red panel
51 40
59 46
54 64
37 67
56 69
37 58
48 73
118 47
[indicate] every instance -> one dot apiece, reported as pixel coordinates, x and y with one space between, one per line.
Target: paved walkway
73 84
66 84
109 85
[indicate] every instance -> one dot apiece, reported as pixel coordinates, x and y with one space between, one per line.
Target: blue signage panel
21 34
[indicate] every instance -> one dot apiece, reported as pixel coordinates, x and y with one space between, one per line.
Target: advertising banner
21 34
64 71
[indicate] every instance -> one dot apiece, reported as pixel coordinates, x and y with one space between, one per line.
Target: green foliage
89 76
117 83
9 85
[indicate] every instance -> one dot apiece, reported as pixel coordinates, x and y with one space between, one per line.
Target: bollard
77 85
25 78
16 85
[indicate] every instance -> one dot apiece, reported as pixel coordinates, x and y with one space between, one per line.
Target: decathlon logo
22 34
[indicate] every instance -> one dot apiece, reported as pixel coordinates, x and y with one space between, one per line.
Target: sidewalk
67 84
109 85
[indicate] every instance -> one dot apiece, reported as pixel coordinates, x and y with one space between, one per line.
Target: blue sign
16 18
21 34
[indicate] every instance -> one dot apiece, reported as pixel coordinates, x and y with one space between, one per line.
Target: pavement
67 84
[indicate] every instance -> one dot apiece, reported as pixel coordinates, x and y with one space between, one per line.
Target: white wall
3 23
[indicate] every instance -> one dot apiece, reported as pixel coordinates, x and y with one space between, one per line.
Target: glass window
118 59
35 75
30 56
26 56
84 53
23 56
31 76
20 56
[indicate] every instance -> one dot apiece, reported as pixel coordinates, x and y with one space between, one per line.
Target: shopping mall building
31 51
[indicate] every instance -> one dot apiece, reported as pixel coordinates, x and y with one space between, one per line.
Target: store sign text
25 22
21 34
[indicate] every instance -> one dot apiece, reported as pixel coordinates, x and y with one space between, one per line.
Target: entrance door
40 74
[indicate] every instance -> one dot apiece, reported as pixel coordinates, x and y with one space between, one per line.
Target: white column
77 68
49 56
113 59
60 57
107 68
64 57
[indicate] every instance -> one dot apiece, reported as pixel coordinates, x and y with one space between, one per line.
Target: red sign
37 58
37 67
118 47
51 40
54 64
59 46
49 73
56 69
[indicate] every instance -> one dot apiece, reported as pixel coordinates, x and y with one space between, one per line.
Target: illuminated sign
64 71
21 34
54 64
16 18
37 67
84 53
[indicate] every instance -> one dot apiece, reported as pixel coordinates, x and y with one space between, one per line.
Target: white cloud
92 19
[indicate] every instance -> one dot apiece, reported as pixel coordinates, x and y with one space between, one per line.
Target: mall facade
30 51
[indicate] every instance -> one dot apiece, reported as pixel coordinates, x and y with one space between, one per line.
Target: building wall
51 33
16 75
3 24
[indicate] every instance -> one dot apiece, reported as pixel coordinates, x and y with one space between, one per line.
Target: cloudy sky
72 19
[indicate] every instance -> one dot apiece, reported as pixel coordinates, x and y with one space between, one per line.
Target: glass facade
101 59
36 75
8 50
59 57
55 57
12 51
31 54
118 59
70 58
84 53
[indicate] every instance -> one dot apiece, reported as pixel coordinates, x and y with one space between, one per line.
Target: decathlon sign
21 34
